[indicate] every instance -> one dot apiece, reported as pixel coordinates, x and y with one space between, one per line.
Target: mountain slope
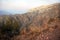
42 23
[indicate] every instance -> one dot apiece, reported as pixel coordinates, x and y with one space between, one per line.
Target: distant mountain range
3 12
12 12
41 23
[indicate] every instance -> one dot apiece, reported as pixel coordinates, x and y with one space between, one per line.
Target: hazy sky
22 5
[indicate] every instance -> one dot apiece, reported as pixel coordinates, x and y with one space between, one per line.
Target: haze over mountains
41 23
3 12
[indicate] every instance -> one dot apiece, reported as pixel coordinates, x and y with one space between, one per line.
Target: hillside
41 23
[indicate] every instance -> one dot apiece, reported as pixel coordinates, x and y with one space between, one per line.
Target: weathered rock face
39 24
